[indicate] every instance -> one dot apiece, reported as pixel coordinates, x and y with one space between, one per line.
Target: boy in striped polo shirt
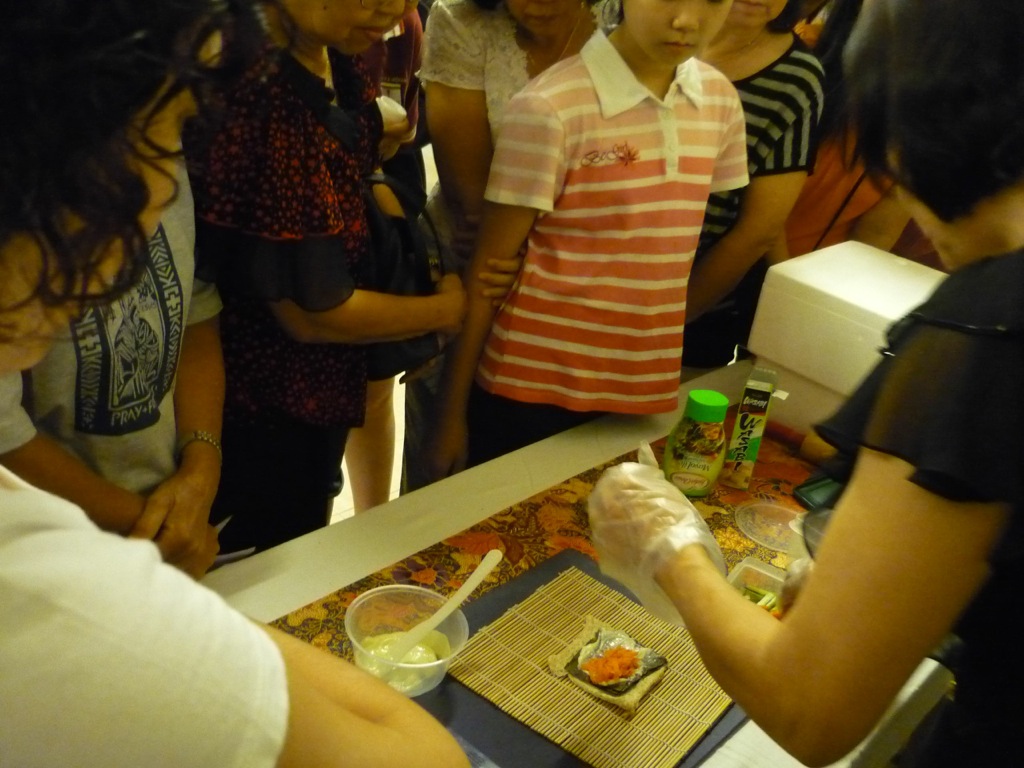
603 167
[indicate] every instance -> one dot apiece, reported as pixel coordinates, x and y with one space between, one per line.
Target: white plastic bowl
398 608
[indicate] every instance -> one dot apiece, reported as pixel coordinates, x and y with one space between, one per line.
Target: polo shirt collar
617 87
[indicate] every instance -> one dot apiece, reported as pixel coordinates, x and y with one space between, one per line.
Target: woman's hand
449 287
447 449
639 520
369 316
499 278
176 514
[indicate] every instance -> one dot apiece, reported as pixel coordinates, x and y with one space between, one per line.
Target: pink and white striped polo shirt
595 321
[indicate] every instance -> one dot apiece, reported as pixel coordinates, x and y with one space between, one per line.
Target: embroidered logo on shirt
619 153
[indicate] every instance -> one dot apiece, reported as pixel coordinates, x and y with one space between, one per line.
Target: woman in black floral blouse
282 230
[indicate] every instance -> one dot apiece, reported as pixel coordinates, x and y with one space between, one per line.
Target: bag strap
412 200
842 207
413 203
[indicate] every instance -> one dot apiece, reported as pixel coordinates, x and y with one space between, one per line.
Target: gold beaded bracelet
201 436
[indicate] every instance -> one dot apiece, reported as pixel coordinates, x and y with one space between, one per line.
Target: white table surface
271 584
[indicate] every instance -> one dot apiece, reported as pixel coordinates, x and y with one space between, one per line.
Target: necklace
531 61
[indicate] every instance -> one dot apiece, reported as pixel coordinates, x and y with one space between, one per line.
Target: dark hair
937 96
78 77
788 17
842 15
612 14
490 5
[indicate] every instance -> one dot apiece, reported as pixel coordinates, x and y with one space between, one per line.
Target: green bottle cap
706 405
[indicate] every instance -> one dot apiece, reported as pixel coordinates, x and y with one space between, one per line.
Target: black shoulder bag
400 263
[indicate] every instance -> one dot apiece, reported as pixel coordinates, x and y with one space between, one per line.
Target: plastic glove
639 520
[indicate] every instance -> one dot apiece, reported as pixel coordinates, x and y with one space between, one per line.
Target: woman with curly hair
123 414
135 663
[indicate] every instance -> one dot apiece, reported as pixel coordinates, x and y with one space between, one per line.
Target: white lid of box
824 315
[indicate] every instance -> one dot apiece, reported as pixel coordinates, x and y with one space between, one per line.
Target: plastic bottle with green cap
696 446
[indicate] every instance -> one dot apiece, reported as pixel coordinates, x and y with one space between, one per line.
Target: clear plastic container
770 524
751 572
398 608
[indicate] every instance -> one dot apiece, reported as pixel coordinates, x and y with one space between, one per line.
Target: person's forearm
766 204
369 317
177 511
731 632
462 358
464 188
721 270
503 231
199 399
883 224
746 650
341 716
818 680
461 138
46 464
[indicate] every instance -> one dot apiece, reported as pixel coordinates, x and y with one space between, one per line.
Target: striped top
782 104
594 322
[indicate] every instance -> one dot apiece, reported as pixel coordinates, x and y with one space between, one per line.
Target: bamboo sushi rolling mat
506 662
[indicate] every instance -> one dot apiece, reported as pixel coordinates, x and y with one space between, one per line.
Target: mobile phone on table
819 491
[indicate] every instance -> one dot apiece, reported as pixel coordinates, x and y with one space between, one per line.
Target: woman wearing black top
928 537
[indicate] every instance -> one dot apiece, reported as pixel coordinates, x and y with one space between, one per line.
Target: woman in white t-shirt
109 657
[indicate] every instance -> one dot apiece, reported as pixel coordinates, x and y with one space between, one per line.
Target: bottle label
694 455
687 481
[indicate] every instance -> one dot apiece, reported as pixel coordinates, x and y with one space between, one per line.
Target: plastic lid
706 405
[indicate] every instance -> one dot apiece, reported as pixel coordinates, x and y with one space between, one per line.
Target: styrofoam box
821 322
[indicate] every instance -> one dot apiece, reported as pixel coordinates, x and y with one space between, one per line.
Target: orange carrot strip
615 664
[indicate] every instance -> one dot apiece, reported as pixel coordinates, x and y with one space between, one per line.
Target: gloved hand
639 520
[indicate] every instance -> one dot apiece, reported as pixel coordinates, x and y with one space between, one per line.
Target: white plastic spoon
415 635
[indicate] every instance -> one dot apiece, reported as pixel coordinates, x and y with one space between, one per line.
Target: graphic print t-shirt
127 352
105 391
